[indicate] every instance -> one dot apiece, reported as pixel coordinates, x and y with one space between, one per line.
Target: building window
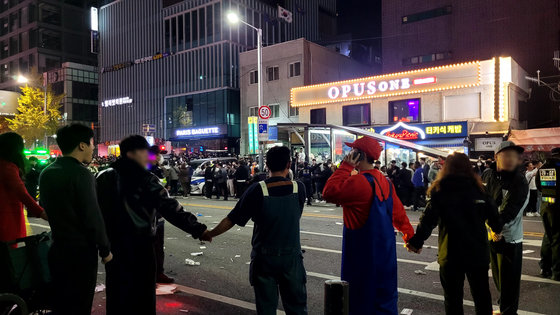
273 73
426 58
318 116
430 14
253 77
275 110
356 115
295 69
294 111
253 111
404 110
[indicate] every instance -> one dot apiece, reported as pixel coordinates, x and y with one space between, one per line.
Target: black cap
508 145
555 151
132 143
154 149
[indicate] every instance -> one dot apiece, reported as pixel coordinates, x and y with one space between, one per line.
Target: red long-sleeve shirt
355 195
13 196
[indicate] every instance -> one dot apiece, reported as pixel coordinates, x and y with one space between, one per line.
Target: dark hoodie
460 210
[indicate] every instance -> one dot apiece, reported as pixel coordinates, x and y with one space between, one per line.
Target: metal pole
45 112
260 92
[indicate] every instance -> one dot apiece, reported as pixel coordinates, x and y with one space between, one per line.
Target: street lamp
23 80
233 18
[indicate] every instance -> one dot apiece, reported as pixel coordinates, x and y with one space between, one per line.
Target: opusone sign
411 82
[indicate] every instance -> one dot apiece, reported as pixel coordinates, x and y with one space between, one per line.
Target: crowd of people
115 209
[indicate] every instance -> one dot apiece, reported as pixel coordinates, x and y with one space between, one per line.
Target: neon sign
427 80
408 132
198 132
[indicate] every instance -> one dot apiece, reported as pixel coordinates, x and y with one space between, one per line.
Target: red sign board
403 135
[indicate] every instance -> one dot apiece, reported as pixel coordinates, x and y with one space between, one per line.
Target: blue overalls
369 259
276 259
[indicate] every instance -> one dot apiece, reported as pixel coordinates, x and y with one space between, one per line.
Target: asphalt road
220 285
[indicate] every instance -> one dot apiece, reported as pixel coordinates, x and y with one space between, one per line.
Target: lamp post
233 18
23 80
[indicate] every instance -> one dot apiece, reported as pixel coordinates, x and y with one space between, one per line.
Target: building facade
287 65
422 34
466 107
39 35
176 64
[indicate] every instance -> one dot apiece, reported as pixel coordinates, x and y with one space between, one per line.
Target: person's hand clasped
206 236
107 258
44 216
412 249
497 237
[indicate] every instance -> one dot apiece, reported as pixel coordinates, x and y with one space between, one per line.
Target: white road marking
414 293
220 298
40 225
424 263
431 266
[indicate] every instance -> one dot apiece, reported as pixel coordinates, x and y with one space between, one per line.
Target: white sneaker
530 214
205 197
536 214
323 201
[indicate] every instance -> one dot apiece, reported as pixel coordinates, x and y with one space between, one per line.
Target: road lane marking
414 293
424 263
219 298
325 216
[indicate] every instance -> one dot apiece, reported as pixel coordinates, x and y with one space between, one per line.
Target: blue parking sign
263 128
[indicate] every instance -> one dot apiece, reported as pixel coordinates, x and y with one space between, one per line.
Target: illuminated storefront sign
196 132
127 64
117 101
253 134
404 131
404 83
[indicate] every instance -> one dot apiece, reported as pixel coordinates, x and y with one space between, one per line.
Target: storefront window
404 110
356 115
396 153
320 148
318 116
341 149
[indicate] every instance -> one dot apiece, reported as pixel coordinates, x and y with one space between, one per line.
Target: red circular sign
264 112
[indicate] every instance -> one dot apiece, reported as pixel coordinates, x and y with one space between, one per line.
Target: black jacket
130 196
242 173
461 210
69 198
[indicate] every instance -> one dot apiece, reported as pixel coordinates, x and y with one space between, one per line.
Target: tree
31 122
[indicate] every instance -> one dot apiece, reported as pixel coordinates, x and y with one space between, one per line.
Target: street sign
264 112
148 128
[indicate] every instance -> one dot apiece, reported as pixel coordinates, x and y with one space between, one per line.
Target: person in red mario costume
371 211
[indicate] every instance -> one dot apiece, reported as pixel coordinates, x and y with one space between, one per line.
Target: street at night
220 284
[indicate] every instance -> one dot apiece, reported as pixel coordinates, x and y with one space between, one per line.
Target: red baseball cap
368 145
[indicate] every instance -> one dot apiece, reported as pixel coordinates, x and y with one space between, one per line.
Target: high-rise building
171 65
37 36
420 34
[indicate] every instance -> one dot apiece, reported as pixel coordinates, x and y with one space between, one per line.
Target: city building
467 107
287 65
172 67
37 36
422 34
8 108
79 84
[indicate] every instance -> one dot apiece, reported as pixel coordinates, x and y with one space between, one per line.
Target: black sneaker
163 278
546 273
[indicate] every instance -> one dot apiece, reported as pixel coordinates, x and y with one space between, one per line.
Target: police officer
208 181
275 205
549 185
305 177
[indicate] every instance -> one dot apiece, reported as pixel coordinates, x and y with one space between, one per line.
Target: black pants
74 274
404 193
186 186
532 205
207 189
308 190
550 249
222 190
419 197
158 247
174 186
506 260
270 274
452 280
131 277
239 188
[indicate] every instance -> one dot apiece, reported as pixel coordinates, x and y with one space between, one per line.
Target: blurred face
153 158
139 156
507 160
530 167
86 151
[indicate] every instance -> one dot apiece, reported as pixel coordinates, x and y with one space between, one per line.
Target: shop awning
542 139
442 143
